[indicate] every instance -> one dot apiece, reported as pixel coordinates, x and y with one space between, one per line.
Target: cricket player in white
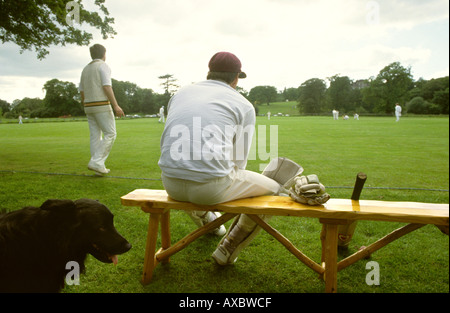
204 151
335 114
398 112
97 97
161 115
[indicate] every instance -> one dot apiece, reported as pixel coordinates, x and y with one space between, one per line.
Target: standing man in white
161 115
335 114
398 112
97 97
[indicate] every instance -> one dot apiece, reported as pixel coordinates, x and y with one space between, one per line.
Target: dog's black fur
36 243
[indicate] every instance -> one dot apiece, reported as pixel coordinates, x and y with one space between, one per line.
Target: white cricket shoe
220 231
98 169
222 256
205 219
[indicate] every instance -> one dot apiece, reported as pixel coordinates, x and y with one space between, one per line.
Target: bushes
418 105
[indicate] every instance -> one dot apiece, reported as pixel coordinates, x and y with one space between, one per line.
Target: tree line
62 98
378 95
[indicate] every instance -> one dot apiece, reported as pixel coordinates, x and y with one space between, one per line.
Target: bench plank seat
390 211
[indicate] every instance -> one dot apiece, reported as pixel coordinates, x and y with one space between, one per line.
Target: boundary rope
159 179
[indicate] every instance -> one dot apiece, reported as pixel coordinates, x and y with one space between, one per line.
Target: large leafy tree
124 92
339 94
133 98
263 94
312 96
61 98
391 85
436 91
40 23
27 107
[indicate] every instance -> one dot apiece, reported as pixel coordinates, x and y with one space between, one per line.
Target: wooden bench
334 213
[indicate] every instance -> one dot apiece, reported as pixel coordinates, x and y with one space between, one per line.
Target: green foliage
262 94
40 24
169 84
433 85
436 91
290 94
4 106
312 96
61 98
418 105
391 86
342 95
441 99
26 107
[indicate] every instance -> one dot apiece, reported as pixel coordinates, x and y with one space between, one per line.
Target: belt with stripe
97 103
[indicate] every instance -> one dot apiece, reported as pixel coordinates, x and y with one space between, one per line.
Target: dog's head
93 227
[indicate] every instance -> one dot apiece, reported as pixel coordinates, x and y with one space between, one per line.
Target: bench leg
330 257
323 235
165 233
149 258
329 238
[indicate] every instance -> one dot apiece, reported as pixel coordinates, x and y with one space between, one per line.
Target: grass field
279 107
49 160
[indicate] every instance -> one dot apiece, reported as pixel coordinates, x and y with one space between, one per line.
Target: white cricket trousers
238 184
102 128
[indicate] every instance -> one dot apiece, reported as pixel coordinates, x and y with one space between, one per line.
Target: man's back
205 122
94 76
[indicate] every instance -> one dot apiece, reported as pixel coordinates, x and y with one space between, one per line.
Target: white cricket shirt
208 132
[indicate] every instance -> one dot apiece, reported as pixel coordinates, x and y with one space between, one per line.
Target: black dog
37 243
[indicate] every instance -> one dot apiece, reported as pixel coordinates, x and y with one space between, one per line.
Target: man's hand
119 111
110 95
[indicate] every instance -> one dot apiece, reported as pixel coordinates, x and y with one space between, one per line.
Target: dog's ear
56 204
61 213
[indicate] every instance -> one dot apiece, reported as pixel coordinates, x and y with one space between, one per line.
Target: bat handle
359 184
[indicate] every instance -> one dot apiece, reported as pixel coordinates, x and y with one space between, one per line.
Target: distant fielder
161 115
398 112
335 114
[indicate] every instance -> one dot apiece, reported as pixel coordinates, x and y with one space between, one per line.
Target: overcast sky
281 43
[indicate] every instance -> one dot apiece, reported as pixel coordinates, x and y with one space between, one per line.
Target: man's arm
110 95
82 98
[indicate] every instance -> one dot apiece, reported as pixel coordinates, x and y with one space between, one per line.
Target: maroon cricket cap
226 62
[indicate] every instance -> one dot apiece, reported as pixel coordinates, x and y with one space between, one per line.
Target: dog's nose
127 246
